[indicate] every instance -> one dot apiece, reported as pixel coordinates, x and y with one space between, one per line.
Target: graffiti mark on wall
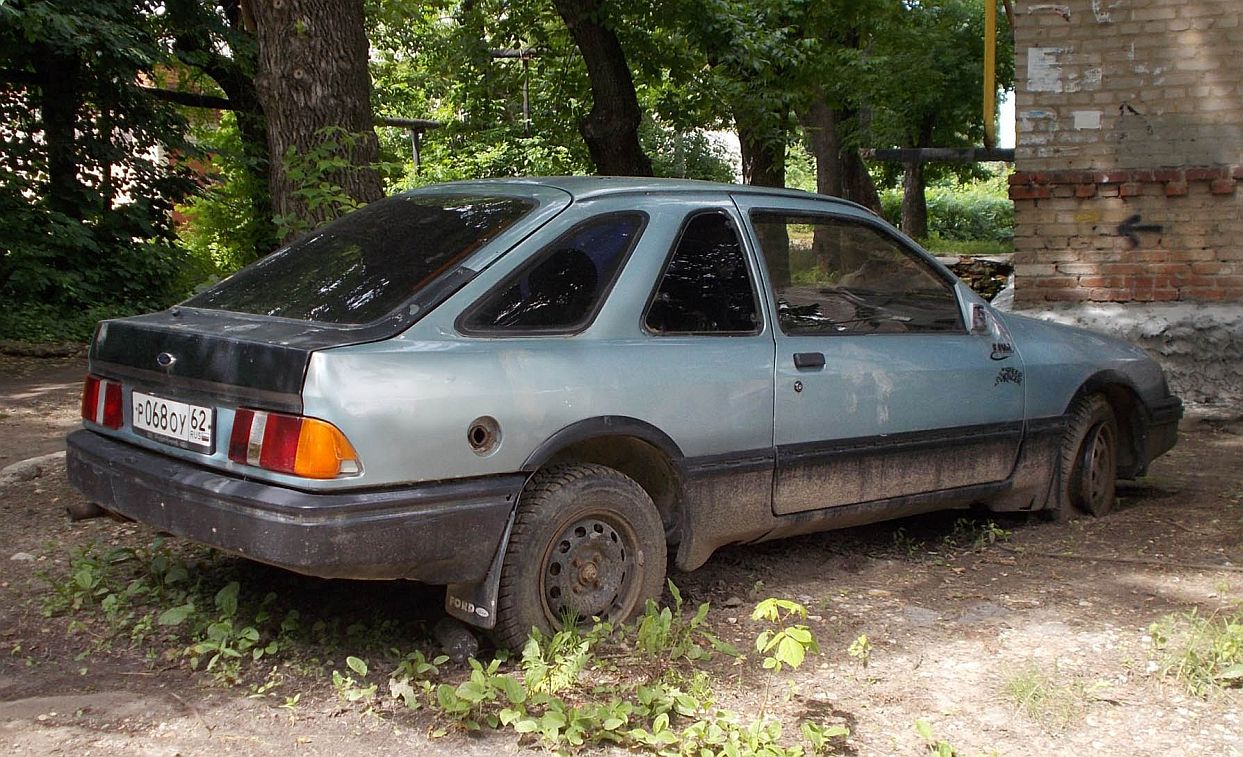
1133 226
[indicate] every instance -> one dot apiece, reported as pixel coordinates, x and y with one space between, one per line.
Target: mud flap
476 603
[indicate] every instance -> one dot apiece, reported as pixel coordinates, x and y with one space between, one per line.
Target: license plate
176 423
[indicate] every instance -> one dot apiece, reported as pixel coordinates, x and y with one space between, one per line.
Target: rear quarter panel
406 403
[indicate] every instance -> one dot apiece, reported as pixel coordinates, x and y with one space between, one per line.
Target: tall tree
927 75
314 86
212 37
86 188
611 128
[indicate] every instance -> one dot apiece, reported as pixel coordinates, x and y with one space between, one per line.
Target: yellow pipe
990 73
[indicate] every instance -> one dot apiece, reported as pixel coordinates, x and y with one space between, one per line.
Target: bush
962 213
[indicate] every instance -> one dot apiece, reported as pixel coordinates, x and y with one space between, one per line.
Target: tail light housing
101 402
294 444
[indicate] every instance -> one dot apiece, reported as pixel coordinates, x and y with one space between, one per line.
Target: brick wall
1130 151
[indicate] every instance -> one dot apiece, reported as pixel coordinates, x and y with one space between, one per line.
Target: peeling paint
1044 69
1104 10
1061 10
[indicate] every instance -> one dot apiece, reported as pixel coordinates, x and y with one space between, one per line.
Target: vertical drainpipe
990 73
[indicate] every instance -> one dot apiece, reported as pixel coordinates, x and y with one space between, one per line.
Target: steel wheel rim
1098 466
591 569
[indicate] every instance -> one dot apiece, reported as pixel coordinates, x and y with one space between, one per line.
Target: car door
880 390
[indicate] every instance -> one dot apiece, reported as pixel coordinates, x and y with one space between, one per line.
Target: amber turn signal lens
323 451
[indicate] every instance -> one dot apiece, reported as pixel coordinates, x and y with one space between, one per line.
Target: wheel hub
587 570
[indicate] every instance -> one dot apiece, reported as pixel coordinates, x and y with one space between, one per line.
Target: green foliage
665 632
977 211
85 198
315 175
1053 703
937 746
1203 653
785 644
861 649
220 231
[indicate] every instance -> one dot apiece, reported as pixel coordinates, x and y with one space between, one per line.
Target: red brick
1065 295
1130 189
1122 269
1168 174
1211 268
1205 174
1113 177
1237 172
1084 191
1109 190
1176 189
1165 295
1222 186
1052 282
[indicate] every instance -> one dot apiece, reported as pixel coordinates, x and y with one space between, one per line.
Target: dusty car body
529 389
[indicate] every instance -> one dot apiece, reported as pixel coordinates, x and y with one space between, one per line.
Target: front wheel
1089 464
587 543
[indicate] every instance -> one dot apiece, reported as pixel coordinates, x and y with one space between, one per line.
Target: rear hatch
247 341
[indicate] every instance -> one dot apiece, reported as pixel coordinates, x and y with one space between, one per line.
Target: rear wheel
1089 464
587 543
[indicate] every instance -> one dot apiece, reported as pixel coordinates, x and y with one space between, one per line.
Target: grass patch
1054 704
1203 653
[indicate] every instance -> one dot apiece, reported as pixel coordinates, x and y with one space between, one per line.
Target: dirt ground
952 628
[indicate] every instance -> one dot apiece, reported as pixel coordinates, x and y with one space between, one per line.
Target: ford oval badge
165 360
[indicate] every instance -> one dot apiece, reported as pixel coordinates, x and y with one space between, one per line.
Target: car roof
587 187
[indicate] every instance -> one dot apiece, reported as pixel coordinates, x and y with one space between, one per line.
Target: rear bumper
438 533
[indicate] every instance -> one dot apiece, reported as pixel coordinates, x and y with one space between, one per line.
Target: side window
561 287
706 288
838 276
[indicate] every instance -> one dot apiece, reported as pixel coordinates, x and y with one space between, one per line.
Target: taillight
306 447
101 402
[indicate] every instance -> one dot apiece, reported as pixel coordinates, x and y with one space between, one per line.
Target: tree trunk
59 102
763 156
611 128
914 199
312 74
196 48
914 203
840 171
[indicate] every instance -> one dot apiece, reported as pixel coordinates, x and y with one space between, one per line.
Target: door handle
809 360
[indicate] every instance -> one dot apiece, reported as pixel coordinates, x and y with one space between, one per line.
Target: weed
939 747
348 688
971 533
1051 703
664 632
1204 653
861 649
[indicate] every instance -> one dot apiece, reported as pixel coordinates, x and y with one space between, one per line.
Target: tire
587 542
1089 460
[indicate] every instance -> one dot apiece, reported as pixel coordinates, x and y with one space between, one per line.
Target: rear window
365 265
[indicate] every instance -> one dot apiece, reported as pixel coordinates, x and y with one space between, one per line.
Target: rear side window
706 287
560 289
367 264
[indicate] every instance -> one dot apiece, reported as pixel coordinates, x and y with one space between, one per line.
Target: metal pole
990 73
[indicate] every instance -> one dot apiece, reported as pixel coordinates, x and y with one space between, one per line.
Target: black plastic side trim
805 452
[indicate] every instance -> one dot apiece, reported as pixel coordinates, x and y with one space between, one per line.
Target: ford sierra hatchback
538 391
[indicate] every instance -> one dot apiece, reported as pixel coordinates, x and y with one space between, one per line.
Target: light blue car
538 391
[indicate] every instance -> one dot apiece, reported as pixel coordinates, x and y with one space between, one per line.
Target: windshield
365 265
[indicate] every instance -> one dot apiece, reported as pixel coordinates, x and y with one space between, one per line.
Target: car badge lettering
1002 350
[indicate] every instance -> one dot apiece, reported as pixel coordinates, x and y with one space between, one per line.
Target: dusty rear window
363 266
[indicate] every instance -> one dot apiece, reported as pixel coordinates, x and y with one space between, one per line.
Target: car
539 392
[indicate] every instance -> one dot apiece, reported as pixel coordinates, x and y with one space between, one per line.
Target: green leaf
226 599
357 665
175 616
